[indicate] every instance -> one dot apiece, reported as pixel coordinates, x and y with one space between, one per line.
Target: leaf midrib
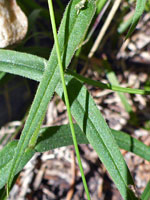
104 145
22 147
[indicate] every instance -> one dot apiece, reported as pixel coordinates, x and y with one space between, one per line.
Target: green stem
107 86
66 96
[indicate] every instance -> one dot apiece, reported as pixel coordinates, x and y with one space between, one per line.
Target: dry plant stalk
13 23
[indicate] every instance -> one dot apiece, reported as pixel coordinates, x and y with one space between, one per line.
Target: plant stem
66 96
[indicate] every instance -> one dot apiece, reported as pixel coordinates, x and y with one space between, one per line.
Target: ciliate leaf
123 26
140 6
146 194
71 90
92 123
48 140
100 4
113 80
71 33
22 64
2 74
125 141
49 137
23 67
6 155
137 148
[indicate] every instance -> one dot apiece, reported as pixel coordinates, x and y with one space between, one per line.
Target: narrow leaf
22 64
113 80
2 74
19 64
146 194
39 78
6 155
125 141
71 33
91 122
140 6
48 140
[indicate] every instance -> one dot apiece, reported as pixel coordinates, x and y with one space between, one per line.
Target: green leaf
48 140
100 4
2 74
113 80
72 89
71 33
22 64
49 137
6 155
92 123
140 6
23 67
123 26
125 141
146 194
